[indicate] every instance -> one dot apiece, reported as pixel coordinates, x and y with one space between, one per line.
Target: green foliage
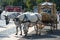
39 1
57 3
28 3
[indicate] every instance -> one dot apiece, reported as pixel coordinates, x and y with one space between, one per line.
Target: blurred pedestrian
7 19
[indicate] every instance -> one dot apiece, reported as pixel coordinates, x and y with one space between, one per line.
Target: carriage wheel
56 24
51 27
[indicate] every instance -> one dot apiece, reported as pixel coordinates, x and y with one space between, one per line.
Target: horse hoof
15 34
25 35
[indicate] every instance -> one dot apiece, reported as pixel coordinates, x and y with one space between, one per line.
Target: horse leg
40 31
55 26
36 28
25 31
21 29
16 30
25 28
40 27
51 29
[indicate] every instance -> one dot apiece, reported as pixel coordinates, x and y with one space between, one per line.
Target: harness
37 17
25 19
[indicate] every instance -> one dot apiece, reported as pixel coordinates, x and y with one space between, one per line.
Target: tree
28 3
39 1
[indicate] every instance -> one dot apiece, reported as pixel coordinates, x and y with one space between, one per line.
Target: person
7 19
0 13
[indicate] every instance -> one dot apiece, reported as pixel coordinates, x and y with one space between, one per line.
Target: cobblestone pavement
8 33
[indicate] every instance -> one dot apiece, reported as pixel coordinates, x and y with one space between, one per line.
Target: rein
26 19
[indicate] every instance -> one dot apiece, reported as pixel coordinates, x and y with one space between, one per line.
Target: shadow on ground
49 34
55 32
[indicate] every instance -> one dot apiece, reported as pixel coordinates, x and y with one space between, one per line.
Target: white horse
18 25
27 18
11 15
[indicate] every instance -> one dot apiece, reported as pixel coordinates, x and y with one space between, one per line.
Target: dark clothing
7 20
0 12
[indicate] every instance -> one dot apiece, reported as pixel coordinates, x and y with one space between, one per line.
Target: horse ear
14 19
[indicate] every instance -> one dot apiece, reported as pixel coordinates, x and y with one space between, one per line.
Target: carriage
49 16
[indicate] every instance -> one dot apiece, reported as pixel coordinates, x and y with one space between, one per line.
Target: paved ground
8 33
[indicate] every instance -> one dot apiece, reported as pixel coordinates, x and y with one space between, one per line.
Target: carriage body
48 11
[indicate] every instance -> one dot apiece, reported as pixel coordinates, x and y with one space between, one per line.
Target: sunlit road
8 33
